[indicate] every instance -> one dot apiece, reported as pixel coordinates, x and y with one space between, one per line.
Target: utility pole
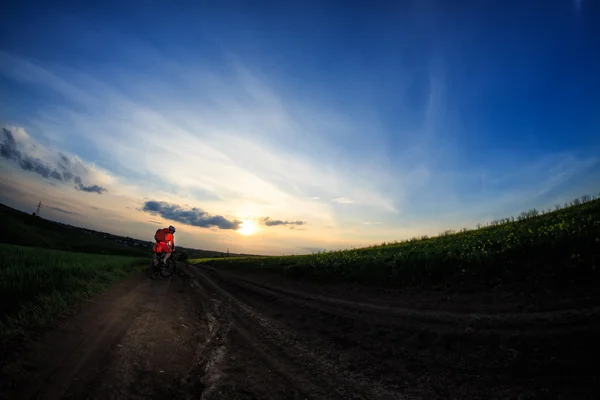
37 213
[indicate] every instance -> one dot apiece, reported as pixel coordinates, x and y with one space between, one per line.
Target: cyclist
165 242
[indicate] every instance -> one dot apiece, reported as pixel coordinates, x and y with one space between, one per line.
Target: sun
248 227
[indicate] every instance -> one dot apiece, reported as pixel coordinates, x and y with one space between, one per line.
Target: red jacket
169 238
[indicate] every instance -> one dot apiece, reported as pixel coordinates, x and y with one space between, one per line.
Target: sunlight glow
248 227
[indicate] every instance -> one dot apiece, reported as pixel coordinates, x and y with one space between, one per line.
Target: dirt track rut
136 341
210 334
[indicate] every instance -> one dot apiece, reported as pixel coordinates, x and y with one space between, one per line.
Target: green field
537 251
37 285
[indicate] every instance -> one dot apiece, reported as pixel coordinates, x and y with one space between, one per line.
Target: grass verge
38 285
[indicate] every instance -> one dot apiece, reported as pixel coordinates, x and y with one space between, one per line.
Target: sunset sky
286 127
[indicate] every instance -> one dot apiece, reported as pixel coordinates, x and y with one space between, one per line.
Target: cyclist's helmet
172 229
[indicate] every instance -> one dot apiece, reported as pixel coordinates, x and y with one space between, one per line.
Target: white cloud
343 200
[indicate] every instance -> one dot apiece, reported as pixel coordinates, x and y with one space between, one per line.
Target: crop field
36 285
547 250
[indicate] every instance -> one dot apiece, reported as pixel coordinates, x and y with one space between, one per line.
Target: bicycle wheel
153 269
168 269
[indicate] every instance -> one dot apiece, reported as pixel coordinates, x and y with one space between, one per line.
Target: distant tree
576 202
478 226
557 207
585 198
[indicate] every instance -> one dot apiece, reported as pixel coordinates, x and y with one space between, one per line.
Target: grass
38 285
536 251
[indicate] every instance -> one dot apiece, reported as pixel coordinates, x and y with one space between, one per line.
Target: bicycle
159 266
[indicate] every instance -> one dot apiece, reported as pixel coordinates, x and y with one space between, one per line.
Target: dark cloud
9 150
90 189
56 175
62 211
292 224
65 160
193 216
8 147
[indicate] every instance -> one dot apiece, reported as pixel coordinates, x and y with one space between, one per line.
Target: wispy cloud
62 168
343 200
248 141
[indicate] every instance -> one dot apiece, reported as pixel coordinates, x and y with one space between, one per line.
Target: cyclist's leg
167 251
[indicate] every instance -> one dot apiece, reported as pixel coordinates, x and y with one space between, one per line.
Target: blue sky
345 123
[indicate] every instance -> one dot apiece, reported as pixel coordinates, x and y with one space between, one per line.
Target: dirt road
213 335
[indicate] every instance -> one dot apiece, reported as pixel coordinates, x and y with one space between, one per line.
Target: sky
290 127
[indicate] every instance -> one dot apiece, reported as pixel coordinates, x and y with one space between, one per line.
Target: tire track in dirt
331 347
206 370
524 323
305 373
137 340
